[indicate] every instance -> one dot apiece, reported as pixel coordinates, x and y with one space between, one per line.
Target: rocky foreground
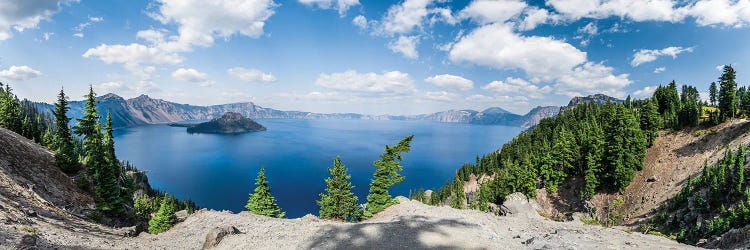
408 225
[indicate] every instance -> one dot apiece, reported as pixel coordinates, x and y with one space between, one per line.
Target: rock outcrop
228 123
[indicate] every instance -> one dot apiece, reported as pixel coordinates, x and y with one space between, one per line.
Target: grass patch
28 229
591 221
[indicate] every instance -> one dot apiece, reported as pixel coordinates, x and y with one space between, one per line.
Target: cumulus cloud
132 54
650 55
19 73
450 81
189 75
21 15
341 5
533 17
517 86
406 46
543 59
360 21
492 11
497 46
440 96
198 23
405 17
390 83
251 75
659 70
645 92
705 12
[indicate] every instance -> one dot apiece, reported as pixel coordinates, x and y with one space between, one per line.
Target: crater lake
218 171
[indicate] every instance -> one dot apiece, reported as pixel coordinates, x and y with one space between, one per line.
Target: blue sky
372 57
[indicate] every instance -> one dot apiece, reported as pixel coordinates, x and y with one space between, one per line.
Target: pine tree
650 122
164 218
712 92
89 127
727 93
739 170
109 173
261 201
339 202
458 197
10 110
386 175
65 155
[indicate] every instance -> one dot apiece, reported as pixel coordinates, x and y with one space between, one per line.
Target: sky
369 56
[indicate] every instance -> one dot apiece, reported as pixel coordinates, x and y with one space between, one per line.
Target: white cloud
589 29
441 96
534 17
406 46
645 92
189 75
591 78
47 35
658 70
496 46
517 86
21 15
733 13
132 54
341 5
360 21
251 75
83 26
19 73
451 81
649 55
198 24
391 83
492 11
405 17
720 67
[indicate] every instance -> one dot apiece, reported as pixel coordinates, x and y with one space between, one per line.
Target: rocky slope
40 207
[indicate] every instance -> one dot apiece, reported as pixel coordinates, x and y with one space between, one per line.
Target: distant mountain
143 110
228 123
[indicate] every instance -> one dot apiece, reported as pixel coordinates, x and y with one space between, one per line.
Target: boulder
517 205
181 215
652 179
214 237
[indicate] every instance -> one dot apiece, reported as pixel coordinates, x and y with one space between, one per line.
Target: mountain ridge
144 110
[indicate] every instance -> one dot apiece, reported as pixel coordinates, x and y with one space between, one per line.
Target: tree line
602 145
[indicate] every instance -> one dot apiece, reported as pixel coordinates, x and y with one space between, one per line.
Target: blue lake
218 171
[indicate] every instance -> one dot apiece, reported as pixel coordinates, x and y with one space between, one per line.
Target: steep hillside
40 208
668 164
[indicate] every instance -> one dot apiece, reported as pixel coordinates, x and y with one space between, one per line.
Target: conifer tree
650 122
712 93
10 110
727 93
261 201
109 173
458 197
89 127
65 155
387 174
338 202
164 218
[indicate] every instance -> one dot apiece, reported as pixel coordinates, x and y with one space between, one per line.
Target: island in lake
228 123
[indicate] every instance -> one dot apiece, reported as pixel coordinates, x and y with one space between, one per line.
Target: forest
602 146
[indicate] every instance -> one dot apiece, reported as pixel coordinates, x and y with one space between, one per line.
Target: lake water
218 171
